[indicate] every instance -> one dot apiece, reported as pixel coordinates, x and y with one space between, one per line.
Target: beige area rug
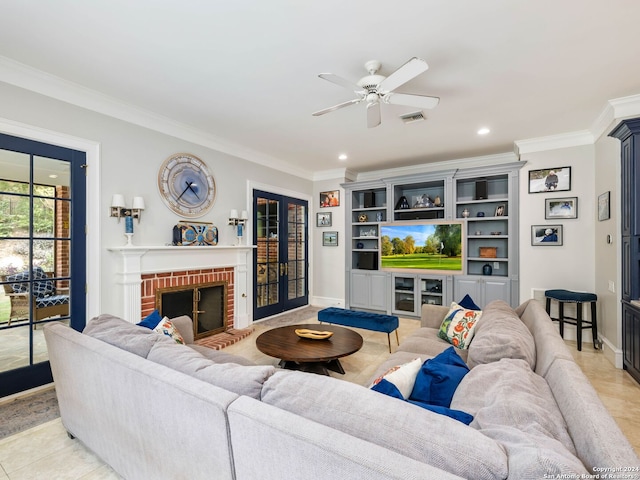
27 412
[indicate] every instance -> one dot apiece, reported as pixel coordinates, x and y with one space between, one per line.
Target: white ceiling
245 71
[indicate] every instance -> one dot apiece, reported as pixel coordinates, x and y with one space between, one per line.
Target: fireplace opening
205 303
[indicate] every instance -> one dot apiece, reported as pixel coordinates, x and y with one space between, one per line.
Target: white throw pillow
402 376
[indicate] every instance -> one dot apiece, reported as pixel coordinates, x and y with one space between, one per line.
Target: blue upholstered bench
366 320
567 296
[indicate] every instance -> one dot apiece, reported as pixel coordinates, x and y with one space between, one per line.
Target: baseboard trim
327 302
614 355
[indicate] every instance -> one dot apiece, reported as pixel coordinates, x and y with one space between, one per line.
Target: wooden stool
567 296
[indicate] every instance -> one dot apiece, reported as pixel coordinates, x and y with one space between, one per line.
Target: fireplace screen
205 303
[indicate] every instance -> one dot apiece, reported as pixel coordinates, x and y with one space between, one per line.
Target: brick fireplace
184 278
142 270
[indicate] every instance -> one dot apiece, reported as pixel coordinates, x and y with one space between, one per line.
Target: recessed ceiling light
483 131
53 175
342 156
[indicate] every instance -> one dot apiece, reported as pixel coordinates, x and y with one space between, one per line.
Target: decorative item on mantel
195 234
119 210
239 222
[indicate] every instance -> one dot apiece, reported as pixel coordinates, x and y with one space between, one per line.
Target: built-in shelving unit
485 199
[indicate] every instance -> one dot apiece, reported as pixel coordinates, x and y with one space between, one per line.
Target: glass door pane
36 224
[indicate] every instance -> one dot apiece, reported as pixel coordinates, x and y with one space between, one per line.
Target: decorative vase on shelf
465 213
487 269
403 203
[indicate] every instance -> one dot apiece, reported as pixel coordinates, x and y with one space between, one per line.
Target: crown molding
439 166
555 142
342 174
28 78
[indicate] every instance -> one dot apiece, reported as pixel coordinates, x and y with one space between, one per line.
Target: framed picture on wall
604 212
546 235
323 219
329 239
561 208
330 199
556 179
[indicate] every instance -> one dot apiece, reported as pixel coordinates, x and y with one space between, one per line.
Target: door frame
92 241
253 185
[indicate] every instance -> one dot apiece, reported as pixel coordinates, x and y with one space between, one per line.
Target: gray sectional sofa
152 408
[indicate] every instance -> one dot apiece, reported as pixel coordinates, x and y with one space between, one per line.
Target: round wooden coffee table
317 356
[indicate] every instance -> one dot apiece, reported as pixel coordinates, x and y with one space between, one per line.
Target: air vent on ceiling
412 117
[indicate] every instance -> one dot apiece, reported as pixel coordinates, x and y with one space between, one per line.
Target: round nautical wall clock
186 186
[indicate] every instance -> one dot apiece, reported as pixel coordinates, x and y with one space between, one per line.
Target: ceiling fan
375 89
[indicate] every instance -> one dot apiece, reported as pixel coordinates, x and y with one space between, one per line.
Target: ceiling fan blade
402 75
330 77
420 101
373 114
336 107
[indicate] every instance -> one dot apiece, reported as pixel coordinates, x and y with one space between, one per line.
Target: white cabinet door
369 290
482 290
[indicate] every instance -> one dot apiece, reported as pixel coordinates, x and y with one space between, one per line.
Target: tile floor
45 451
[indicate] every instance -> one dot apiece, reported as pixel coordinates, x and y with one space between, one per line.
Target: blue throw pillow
388 388
438 379
459 415
151 321
468 303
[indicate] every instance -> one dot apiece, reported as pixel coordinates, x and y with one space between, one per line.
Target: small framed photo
501 211
330 199
329 239
604 212
557 179
546 235
561 208
323 219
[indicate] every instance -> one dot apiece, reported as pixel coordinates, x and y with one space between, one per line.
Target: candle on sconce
128 225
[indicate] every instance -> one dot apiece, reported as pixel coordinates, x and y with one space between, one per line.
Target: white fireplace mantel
138 260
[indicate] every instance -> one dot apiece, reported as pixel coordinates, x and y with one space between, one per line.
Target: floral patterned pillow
167 328
459 325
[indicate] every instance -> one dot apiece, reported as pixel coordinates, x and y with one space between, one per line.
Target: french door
281 264
42 254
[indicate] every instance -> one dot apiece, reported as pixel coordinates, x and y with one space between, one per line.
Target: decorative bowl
312 334
496 233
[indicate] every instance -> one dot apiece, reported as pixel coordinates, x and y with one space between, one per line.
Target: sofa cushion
459 325
501 334
240 379
516 407
165 327
438 378
122 334
402 377
218 356
399 426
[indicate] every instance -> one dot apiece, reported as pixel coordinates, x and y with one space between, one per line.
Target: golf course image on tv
424 245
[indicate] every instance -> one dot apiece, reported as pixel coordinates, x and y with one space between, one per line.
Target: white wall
130 157
572 265
329 262
608 256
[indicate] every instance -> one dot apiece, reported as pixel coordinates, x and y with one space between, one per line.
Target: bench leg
594 325
579 325
561 317
397 339
389 341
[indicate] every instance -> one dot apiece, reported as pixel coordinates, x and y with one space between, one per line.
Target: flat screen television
433 246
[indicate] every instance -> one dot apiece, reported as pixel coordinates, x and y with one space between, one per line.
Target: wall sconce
238 221
119 210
